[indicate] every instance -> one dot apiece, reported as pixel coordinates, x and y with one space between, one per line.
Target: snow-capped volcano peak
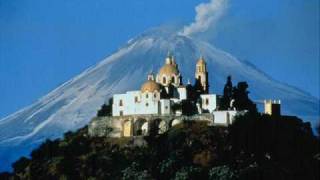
73 104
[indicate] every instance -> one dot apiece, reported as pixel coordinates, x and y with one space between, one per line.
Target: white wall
165 106
147 103
116 108
182 93
212 102
224 117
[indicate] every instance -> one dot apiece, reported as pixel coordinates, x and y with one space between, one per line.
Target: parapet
272 107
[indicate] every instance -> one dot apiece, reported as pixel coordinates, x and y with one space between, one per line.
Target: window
147 104
136 99
164 80
166 107
199 78
155 95
147 96
172 80
121 103
207 101
121 113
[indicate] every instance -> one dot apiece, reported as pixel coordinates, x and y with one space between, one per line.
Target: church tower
201 76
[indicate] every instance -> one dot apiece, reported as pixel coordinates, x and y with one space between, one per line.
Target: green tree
227 94
241 97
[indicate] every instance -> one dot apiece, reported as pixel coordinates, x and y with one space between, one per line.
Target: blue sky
44 43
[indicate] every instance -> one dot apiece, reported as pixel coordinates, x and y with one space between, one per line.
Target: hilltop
254 147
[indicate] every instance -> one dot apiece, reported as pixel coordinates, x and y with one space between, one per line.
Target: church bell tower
201 76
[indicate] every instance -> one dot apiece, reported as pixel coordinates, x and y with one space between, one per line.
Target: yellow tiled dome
168 69
150 86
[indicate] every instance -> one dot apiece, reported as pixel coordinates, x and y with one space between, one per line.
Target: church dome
150 86
168 69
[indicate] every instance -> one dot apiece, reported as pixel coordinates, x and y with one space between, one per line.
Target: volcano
73 104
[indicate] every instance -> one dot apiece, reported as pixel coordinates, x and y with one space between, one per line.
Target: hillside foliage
254 147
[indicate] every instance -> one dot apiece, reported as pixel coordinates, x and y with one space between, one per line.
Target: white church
161 92
163 102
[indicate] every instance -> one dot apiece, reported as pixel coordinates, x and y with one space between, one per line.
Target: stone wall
139 125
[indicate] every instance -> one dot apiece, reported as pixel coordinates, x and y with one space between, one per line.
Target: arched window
155 95
120 102
207 101
147 104
136 99
147 96
164 80
199 78
172 79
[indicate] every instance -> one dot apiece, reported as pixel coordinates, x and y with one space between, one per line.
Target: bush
222 173
133 173
186 173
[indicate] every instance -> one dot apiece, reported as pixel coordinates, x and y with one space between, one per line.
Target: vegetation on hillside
254 147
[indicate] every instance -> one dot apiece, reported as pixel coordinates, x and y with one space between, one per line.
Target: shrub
186 173
222 173
133 173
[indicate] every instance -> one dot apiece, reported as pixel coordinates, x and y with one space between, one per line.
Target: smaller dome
168 69
150 86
